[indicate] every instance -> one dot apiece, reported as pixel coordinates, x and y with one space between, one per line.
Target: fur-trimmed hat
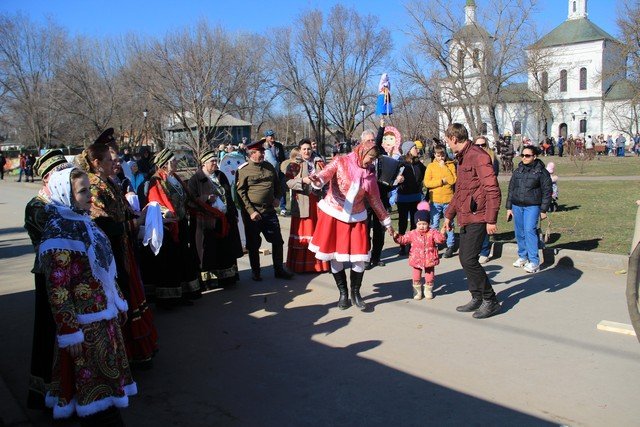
162 157
423 212
49 161
207 155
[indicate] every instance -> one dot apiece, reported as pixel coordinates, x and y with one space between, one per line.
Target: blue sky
101 18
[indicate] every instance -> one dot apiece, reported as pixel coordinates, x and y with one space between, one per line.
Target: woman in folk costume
173 273
341 233
91 375
304 211
218 248
44 328
112 213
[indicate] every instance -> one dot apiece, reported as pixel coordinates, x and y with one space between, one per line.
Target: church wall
588 55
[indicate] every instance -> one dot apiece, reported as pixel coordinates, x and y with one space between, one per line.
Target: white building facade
577 88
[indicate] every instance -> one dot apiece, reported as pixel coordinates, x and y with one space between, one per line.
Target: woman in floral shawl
91 375
112 213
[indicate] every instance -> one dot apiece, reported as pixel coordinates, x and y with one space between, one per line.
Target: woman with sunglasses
528 199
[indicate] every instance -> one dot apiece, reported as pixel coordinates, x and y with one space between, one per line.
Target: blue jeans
437 212
486 247
525 224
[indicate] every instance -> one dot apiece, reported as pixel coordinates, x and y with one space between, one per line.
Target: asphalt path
281 353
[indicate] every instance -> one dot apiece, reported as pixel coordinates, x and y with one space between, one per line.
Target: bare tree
328 64
189 74
28 53
477 60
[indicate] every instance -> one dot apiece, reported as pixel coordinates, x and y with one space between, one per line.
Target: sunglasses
527 155
481 145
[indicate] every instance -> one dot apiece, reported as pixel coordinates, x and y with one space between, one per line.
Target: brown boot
428 290
417 291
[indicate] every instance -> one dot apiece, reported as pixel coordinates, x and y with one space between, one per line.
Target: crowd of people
110 229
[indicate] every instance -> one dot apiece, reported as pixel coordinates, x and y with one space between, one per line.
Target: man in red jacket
475 203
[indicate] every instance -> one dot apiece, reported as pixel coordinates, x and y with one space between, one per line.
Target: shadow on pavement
543 281
250 355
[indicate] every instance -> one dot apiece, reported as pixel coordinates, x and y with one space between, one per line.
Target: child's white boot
428 291
417 291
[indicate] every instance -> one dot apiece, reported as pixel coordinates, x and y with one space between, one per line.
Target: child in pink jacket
424 251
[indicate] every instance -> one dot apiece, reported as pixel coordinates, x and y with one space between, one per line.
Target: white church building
567 93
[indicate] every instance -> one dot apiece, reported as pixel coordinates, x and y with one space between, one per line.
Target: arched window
583 78
460 60
544 82
476 58
517 127
483 128
563 80
574 6
583 126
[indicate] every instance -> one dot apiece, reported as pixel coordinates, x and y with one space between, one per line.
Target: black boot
356 282
489 307
279 271
341 282
472 305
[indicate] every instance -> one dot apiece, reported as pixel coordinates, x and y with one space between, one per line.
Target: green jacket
258 187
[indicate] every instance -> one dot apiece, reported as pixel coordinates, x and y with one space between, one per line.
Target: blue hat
269 132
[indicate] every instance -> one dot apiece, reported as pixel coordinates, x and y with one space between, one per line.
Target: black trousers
471 239
270 228
406 212
377 237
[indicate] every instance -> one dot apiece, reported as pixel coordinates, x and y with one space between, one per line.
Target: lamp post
362 111
144 114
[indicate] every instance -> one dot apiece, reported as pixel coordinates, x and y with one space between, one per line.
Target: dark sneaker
448 253
472 305
489 307
256 277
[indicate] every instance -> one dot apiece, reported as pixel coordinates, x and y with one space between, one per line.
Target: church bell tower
577 9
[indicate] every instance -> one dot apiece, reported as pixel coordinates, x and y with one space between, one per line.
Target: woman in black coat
528 199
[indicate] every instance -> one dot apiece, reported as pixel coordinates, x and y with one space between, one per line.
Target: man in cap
276 155
259 191
44 331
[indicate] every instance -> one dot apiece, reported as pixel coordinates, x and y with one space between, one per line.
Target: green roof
620 90
573 31
472 32
471 3
517 92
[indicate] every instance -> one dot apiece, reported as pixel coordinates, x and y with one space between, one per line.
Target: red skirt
299 258
342 241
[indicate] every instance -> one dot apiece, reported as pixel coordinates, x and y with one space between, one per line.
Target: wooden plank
619 328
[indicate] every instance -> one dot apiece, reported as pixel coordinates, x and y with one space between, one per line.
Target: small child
423 254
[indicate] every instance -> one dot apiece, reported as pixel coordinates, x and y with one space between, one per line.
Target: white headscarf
70 229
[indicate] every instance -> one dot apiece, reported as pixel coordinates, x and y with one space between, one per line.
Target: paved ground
281 353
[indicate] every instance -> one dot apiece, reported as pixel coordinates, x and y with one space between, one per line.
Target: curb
568 257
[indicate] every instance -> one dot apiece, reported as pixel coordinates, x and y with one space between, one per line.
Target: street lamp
362 111
144 114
